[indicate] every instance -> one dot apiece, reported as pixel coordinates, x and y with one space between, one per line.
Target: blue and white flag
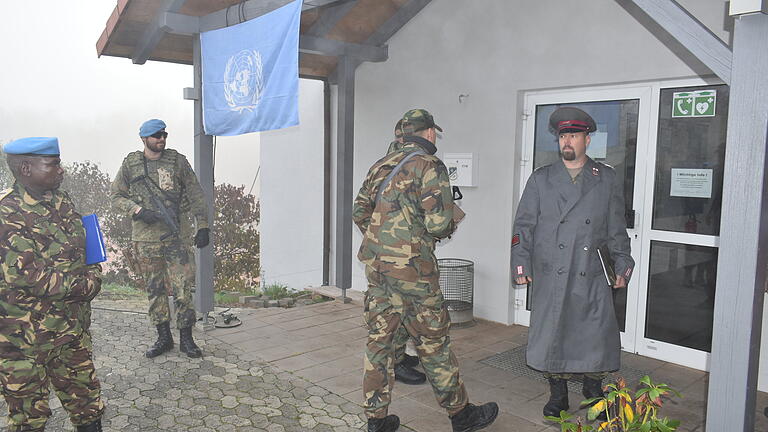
251 74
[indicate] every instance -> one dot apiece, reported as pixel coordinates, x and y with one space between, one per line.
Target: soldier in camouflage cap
404 363
407 195
45 294
151 182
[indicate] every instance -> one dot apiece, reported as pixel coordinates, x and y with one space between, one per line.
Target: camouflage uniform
401 334
168 266
399 235
45 295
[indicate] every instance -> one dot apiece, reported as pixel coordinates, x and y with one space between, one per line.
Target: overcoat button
560 271
586 248
561 246
583 273
562 221
587 221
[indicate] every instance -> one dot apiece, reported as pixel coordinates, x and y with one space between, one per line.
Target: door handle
630 216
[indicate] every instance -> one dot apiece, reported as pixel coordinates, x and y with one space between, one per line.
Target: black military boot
558 397
593 388
473 418
410 361
408 375
389 423
164 341
90 427
187 344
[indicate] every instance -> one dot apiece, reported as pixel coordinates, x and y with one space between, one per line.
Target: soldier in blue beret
45 293
155 186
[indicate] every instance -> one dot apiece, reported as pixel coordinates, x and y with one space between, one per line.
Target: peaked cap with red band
570 119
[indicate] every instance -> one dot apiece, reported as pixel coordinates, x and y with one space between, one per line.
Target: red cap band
572 124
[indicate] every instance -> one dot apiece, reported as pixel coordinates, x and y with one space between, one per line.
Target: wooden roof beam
330 18
174 23
154 33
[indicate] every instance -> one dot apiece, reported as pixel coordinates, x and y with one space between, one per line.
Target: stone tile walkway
220 392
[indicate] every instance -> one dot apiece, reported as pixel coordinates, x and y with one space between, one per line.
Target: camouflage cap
418 119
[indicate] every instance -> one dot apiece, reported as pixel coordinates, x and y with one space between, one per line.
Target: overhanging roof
144 29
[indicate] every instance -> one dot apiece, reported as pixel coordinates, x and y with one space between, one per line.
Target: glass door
622 115
676 306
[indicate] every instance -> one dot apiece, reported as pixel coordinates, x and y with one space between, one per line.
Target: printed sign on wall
700 103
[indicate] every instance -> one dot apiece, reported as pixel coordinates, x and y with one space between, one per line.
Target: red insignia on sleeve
595 171
515 239
520 270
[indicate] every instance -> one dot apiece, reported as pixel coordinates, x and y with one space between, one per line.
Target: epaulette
543 166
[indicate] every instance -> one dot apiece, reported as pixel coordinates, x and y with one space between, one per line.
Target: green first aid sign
699 103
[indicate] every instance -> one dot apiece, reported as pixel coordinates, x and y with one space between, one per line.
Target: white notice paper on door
691 183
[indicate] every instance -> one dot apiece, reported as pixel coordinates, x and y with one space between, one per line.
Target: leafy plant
624 415
235 239
277 291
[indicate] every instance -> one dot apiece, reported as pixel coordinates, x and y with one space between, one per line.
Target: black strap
394 171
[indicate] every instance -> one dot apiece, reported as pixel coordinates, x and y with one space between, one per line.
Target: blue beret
151 126
44 146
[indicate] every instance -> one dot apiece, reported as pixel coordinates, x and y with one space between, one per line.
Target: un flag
251 74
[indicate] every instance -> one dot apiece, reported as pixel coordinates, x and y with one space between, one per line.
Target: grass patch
276 291
225 298
113 291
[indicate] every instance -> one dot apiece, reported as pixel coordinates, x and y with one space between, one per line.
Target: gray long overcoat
557 229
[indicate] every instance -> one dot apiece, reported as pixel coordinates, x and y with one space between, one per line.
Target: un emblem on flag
243 81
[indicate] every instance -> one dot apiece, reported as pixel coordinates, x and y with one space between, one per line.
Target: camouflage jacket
415 210
46 287
171 179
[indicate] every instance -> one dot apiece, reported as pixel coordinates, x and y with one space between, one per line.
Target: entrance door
676 305
672 170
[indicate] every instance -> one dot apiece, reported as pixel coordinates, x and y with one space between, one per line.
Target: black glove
201 238
147 216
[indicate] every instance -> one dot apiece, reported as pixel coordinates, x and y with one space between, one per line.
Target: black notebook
607 263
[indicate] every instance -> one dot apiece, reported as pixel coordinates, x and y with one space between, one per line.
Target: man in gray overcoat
568 210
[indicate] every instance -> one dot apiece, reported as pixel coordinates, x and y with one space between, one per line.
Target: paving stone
220 392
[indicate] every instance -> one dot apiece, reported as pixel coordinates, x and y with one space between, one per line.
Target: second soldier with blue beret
155 187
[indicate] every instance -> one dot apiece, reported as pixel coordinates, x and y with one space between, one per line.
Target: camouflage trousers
168 269
399 341
567 376
26 379
390 305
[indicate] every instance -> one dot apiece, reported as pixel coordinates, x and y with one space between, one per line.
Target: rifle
167 215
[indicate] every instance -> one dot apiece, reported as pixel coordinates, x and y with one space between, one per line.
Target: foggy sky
53 84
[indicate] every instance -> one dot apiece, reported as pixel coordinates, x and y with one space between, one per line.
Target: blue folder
95 250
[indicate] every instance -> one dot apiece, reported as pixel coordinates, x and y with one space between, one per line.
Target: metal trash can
457 281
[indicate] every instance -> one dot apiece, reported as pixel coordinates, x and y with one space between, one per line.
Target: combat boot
407 375
187 344
389 423
473 418
593 388
90 427
164 341
558 397
410 361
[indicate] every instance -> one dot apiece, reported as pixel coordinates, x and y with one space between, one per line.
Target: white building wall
292 195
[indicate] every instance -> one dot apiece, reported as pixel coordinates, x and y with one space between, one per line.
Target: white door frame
632 339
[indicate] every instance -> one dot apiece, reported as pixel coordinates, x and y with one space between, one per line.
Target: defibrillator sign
700 103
